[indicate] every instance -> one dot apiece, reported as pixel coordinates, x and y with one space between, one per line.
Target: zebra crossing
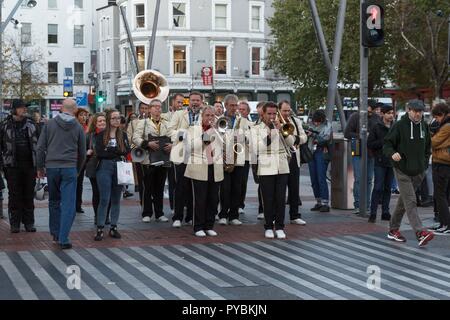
322 268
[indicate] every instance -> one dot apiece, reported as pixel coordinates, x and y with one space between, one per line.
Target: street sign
68 72
207 76
82 99
68 85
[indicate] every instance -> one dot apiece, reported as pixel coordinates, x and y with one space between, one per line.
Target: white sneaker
241 211
269 234
146 219
235 222
298 221
162 219
260 216
176 224
211 233
280 234
223 221
200 233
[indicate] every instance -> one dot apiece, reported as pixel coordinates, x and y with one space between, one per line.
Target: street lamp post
3 25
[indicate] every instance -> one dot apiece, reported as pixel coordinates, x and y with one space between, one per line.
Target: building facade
62 31
230 38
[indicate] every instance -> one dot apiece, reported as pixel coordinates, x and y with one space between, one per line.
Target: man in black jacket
383 167
18 144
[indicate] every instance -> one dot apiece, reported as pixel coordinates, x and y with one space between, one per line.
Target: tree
23 75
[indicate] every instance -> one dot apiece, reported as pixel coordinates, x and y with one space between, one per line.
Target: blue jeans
356 163
382 190
62 189
318 173
109 191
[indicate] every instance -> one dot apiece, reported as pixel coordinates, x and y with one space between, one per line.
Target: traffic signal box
372 23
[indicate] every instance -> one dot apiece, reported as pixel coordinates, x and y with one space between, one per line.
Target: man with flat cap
408 146
18 145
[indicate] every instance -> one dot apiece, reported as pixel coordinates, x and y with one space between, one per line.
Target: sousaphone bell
149 85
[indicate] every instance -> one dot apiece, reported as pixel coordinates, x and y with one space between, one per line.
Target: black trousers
140 177
154 179
260 201
230 194
80 181
294 188
206 198
441 182
172 185
21 182
96 198
244 184
183 194
273 189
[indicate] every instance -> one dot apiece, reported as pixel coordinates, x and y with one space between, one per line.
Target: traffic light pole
363 122
326 57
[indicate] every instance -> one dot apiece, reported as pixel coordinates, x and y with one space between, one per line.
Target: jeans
318 173
62 187
109 191
356 163
382 190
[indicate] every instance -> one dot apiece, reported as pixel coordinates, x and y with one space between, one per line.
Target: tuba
149 85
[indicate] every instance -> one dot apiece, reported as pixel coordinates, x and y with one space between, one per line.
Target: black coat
375 143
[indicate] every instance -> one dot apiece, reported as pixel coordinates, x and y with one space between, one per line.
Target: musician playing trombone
299 137
205 169
154 176
273 168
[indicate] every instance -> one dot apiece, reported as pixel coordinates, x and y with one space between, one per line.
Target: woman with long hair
111 146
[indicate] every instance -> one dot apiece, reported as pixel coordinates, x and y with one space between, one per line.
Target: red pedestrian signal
372 24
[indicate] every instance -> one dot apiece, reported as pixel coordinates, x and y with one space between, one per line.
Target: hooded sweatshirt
62 143
412 141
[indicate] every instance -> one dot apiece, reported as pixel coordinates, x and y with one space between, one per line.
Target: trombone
287 128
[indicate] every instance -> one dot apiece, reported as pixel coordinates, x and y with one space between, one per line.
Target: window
108 67
78 35
78 4
53 72
53 34
79 72
52 4
179 14
221 16
256 21
140 51
140 16
26 71
179 60
221 60
26 34
256 61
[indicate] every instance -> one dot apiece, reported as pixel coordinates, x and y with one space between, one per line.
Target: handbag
125 174
92 163
306 155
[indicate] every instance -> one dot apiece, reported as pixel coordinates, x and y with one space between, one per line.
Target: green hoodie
413 142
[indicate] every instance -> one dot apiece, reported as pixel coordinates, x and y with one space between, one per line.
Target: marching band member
177 104
154 176
230 192
244 110
273 169
260 215
299 137
218 108
143 113
205 169
179 124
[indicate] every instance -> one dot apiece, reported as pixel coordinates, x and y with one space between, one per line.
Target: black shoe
65 246
99 235
386 217
372 218
316 207
79 210
127 194
114 233
325 208
15 229
30 228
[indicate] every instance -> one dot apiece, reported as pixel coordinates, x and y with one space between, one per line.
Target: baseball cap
416 104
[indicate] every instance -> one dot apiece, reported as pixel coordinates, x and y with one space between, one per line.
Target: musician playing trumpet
273 168
154 176
205 169
297 138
